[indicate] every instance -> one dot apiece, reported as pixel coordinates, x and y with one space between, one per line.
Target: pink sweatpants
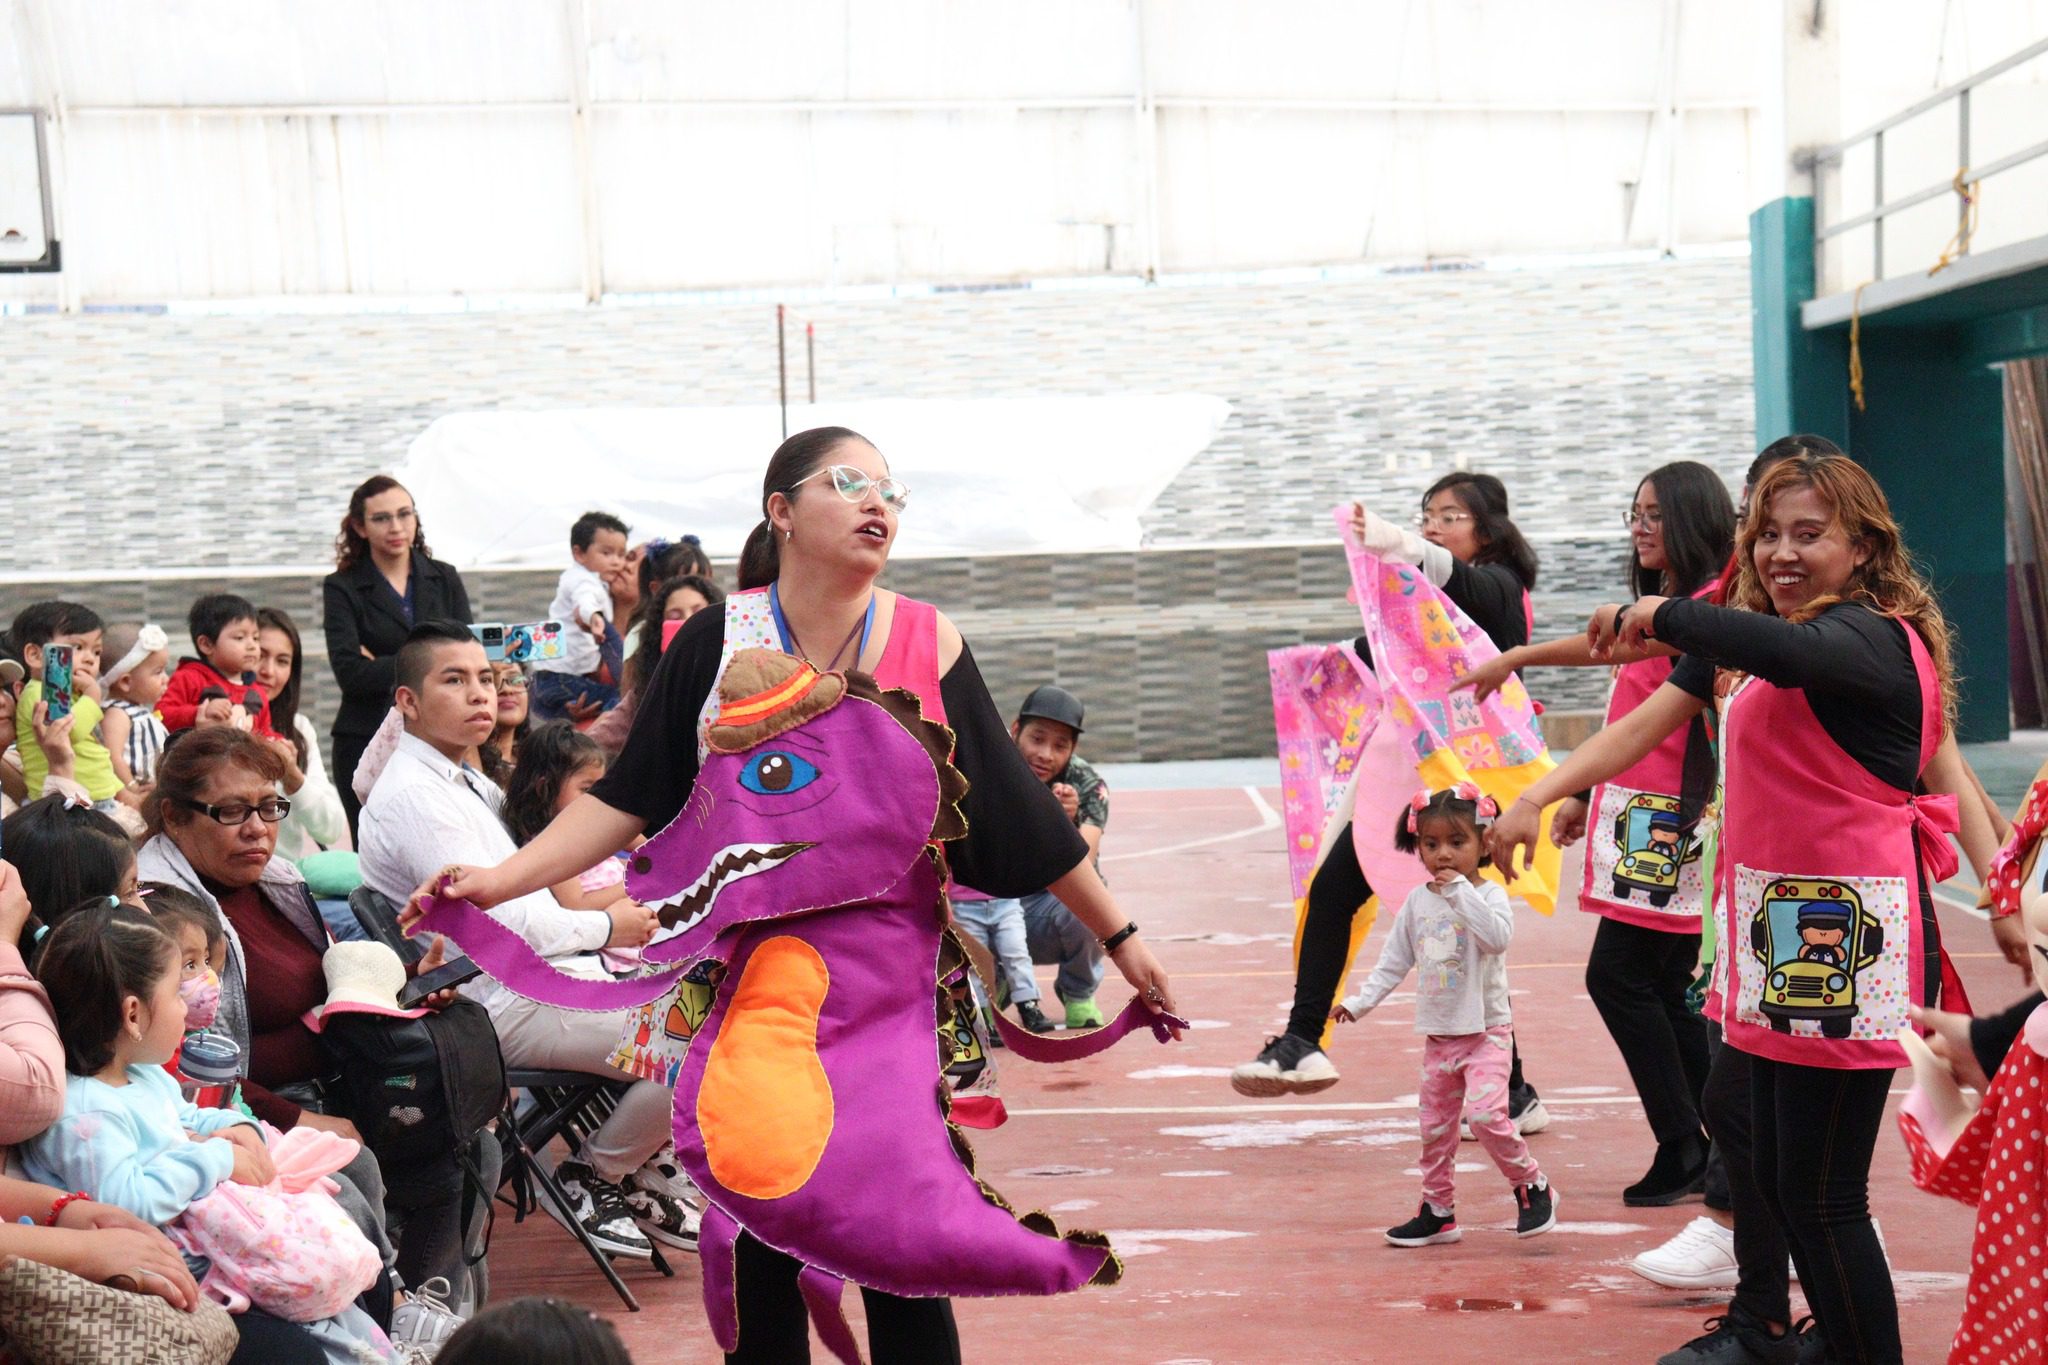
1468 1072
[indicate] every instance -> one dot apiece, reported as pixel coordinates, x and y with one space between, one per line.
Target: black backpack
418 1090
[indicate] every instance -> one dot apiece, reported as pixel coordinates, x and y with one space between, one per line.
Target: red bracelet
50 1219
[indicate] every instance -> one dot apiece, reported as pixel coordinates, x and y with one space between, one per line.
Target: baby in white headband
133 682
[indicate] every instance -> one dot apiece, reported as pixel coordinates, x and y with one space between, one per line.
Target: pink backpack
287 1247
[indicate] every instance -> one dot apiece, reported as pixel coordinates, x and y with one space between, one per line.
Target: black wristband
1116 940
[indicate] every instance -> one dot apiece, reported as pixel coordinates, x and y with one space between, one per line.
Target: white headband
148 641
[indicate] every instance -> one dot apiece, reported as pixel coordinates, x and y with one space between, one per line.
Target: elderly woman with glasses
213 822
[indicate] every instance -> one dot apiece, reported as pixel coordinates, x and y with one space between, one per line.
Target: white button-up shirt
427 811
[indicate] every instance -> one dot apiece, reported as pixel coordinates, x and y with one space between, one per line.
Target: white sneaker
601 1208
425 1321
665 1204
1286 1066
1701 1256
1530 1121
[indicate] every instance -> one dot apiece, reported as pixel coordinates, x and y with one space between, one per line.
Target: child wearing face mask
207 1064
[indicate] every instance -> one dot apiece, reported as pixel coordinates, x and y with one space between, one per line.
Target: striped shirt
146 736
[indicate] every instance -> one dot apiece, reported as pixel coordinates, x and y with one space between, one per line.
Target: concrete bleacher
200 451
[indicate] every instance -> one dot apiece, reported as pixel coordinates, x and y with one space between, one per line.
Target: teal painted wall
1800 375
1933 432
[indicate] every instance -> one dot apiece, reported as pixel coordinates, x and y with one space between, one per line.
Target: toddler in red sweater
220 685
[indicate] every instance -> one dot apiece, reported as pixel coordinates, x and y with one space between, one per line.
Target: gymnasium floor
1251 1230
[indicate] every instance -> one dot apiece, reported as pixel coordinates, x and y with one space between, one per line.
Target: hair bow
77 800
1485 810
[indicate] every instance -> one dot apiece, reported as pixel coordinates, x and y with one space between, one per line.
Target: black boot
1680 1170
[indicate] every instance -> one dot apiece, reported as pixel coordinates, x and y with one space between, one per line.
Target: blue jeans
999 924
552 693
1052 934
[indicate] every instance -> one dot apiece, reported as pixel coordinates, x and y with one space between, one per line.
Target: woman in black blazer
385 580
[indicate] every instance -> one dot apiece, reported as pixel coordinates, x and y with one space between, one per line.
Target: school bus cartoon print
1652 849
1813 936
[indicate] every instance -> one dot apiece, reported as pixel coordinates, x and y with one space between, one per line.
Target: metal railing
1961 185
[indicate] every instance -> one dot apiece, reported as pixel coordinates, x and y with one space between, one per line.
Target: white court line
1268 819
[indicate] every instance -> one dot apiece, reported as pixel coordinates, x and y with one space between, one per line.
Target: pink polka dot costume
1995 1156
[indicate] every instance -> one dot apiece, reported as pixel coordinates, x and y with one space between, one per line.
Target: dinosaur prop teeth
733 863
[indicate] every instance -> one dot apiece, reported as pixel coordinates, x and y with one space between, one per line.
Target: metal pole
1877 202
1962 173
811 359
781 372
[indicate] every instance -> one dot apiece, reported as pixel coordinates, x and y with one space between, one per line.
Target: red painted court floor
1251 1229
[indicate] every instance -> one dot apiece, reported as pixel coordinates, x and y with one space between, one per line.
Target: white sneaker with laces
1701 1256
665 1204
425 1321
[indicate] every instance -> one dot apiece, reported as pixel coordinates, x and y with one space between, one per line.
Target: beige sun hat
766 693
362 978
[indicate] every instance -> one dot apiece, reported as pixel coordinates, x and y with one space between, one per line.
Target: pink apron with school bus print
1641 867
1821 933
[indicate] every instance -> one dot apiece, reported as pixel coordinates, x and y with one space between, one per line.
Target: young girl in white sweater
1455 928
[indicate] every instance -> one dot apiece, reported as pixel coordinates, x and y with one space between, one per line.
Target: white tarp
1056 474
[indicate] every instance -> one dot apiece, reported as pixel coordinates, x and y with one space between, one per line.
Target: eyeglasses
382 519
1649 521
853 485
236 813
512 682
1444 520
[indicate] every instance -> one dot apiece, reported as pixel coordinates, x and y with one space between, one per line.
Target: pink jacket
31 1057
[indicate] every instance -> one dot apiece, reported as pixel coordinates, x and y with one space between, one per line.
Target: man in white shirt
429 808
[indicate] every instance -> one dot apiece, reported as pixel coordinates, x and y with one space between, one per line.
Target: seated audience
62 623
317 820
214 817
501 751
673 600
597 544
133 682
220 685
428 809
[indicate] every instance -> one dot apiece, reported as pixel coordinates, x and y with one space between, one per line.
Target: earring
788 536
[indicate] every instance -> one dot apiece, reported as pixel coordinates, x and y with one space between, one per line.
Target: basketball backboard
28 236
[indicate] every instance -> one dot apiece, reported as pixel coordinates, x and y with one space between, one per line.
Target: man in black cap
1038 929
1047 731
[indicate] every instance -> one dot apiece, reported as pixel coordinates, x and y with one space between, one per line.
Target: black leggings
1765 1287
348 752
1638 979
1816 1128
1334 895
775 1326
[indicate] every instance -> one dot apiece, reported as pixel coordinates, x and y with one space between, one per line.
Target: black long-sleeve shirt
1018 839
1855 666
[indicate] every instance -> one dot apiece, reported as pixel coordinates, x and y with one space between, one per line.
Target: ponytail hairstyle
795 460
66 854
1699 530
1500 542
90 965
1887 581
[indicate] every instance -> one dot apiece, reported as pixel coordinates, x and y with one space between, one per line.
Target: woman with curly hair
1835 673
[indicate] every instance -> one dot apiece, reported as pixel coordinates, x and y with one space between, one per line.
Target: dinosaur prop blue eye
777 774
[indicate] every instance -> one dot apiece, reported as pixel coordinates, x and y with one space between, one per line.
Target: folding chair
564 1104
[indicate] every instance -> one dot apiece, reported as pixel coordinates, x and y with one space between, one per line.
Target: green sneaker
1083 1014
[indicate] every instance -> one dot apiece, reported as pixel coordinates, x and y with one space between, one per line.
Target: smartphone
451 973
534 642
57 661
491 636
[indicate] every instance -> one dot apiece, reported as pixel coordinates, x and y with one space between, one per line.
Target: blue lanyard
789 646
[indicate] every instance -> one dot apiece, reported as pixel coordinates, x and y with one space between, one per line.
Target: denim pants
999 925
552 692
1055 936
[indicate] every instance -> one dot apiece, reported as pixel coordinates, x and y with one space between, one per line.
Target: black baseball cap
1054 704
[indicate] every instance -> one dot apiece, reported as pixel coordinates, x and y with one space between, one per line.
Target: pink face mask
201 995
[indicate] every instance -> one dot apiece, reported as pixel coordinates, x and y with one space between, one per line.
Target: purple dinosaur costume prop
811 1107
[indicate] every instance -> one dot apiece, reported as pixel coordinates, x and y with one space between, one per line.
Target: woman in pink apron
1841 694
1643 863
830 509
